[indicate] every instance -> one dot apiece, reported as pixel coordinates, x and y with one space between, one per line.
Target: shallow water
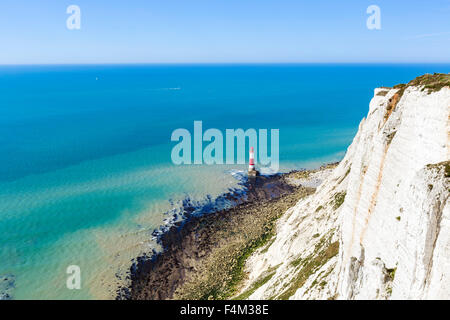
86 174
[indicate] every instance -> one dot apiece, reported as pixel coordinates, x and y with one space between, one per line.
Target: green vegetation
345 175
390 279
256 285
347 172
319 208
303 174
439 166
391 136
267 246
296 262
382 93
322 283
430 82
391 273
398 218
339 199
237 272
325 250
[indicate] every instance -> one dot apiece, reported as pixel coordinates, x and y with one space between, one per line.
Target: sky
224 31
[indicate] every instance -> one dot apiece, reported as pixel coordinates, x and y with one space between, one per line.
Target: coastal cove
203 255
86 174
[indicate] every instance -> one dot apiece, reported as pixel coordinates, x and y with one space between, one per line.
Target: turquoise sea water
85 167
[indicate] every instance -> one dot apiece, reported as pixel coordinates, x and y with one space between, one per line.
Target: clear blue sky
210 31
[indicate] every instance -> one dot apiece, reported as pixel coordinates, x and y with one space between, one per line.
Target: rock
387 205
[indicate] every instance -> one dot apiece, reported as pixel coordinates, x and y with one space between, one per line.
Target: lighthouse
251 165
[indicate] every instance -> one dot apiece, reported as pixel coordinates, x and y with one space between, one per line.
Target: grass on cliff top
430 82
382 93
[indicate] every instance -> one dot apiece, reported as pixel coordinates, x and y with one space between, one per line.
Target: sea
86 173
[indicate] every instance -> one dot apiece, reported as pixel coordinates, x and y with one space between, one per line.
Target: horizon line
221 63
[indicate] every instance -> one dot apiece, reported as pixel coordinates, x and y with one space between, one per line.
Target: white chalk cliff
378 226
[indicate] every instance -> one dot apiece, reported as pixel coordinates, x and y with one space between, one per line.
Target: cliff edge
378 227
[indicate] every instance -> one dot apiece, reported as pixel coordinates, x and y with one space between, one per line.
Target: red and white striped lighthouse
252 172
251 165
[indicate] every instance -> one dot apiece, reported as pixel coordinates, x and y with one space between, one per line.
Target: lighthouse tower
251 165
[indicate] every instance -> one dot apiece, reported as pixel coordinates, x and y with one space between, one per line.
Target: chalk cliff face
378 226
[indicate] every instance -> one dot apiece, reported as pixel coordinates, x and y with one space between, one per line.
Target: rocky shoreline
203 256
